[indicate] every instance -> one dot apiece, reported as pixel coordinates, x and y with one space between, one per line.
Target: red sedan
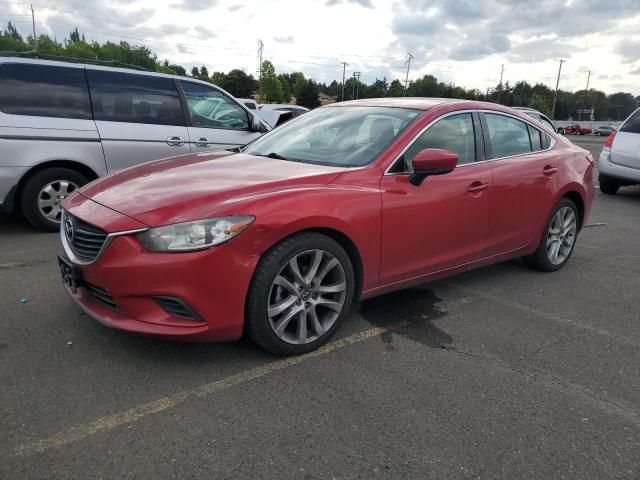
345 202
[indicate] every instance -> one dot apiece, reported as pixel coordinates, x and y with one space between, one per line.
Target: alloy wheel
307 296
562 235
51 196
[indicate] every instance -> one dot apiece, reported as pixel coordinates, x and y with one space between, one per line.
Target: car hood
197 186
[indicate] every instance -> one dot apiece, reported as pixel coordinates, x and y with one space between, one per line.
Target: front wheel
301 291
558 239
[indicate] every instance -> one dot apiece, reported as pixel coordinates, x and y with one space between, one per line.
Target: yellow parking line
136 413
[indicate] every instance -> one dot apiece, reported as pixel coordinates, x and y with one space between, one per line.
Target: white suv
619 162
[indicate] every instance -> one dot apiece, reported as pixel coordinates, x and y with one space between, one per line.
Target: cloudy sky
460 41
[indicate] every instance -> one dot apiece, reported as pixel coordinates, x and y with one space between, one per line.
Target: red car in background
345 202
576 129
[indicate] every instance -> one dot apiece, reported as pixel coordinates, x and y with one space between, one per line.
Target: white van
65 124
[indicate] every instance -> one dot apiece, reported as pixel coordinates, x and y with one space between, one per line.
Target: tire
543 258
269 293
608 186
32 192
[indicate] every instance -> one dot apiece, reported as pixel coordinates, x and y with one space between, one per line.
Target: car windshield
338 136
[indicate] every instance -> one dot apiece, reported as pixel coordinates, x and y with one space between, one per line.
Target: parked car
542 118
348 201
250 103
576 129
65 124
619 162
604 130
278 113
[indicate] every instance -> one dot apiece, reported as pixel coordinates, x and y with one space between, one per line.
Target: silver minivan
65 124
619 162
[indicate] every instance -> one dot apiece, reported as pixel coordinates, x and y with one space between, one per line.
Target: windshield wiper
271 155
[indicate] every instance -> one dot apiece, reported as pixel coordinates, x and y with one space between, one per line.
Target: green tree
396 89
270 86
237 83
622 105
286 88
309 95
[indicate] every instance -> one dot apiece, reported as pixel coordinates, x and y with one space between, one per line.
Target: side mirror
432 161
256 126
561 130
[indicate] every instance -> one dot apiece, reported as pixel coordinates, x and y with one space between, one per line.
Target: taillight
609 141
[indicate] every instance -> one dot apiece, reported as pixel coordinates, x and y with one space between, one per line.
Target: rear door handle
549 170
201 142
477 187
175 141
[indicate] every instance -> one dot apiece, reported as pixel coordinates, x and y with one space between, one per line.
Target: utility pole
586 94
33 24
555 95
260 52
500 84
344 69
406 80
356 76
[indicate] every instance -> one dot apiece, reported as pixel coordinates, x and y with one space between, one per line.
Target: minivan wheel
558 239
43 194
608 186
301 291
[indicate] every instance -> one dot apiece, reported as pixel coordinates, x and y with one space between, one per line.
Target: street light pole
344 70
555 95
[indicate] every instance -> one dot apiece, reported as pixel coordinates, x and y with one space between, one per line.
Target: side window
132 98
545 121
508 136
44 91
632 125
546 141
454 133
250 106
211 109
534 135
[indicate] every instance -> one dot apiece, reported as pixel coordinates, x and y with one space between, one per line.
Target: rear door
524 181
216 122
139 117
625 150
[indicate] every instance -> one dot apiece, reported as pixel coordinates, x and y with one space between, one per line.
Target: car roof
417 103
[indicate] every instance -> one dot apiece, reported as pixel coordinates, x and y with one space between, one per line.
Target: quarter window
454 133
211 109
131 98
534 134
632 125
508 136
44 91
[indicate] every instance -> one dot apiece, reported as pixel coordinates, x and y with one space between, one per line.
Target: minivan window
632 125
210 108
44 91
131 98
508 135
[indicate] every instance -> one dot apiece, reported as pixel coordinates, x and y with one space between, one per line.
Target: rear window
44 91
632 125
131 98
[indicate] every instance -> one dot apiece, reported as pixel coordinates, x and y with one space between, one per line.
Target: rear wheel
558 240
608 186
301 291
43 194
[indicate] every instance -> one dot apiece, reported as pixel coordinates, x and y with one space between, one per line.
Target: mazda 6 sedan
346 202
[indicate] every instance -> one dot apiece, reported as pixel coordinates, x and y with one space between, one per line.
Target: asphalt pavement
502 372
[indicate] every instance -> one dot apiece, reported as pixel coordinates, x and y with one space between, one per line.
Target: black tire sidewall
32 187
608 187
257 325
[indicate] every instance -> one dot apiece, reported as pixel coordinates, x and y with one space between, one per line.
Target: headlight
189 236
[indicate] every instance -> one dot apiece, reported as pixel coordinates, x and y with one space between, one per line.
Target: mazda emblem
68 229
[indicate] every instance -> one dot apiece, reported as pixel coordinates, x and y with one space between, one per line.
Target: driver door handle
201 142
175 141
477 187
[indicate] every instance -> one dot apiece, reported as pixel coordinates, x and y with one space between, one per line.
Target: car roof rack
104 63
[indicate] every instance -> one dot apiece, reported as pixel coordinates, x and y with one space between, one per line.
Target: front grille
85 240
100 294
177 308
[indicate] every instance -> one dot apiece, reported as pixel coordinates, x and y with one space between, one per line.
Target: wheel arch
577 199
70 164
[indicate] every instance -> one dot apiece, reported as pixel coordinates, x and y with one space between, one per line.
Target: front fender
351 211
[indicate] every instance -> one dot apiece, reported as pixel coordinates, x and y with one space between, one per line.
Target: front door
139 117
441 223
216 121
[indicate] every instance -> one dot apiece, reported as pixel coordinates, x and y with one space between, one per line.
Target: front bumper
213 283
610 169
